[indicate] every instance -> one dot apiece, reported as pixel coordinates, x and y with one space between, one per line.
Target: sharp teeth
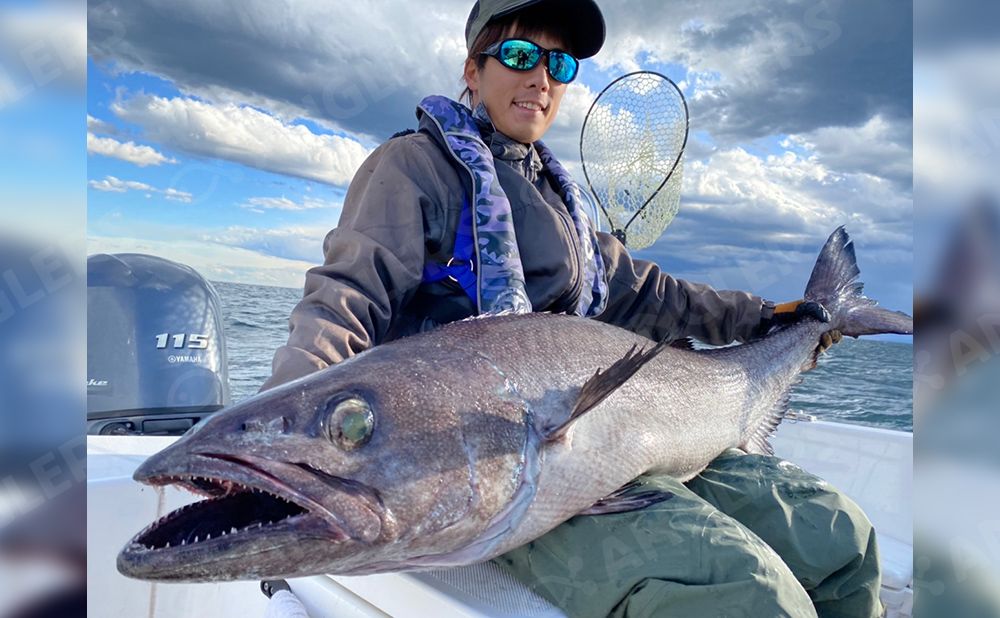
167 545
208 537
196 538
183 542
233 530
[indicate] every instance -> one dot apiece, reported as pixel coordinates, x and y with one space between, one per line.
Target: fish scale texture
674 415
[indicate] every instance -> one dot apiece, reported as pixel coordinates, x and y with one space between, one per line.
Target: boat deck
873 466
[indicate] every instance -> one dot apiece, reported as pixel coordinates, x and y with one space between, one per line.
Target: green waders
713 550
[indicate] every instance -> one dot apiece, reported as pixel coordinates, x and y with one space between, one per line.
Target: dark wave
236 322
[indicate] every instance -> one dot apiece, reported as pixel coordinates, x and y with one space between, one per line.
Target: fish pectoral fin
686 343
626 499
602 384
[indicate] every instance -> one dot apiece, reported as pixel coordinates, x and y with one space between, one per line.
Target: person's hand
827 339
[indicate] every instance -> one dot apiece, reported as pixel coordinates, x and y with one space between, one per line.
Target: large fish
456 445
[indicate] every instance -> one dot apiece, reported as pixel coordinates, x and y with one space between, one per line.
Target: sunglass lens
563 67
520 55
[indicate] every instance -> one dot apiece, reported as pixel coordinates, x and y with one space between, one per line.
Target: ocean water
859 381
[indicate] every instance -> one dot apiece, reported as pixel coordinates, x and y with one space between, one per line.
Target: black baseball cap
588 22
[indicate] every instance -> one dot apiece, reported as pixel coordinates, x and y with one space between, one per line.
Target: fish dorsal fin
602 384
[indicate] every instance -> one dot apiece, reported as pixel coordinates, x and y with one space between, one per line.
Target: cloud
294 243
258 204
755 68
100 127
295 62
244 135
833 78
358 66
128 151
755 223
777 195
563 136
114 185
111 184
214 261
759 68
878 147
177 196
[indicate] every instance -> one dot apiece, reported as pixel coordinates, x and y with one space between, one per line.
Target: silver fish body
454 446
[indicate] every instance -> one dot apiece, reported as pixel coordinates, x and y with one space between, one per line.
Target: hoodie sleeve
651 303
373 264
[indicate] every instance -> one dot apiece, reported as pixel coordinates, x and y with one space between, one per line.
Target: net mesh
632 140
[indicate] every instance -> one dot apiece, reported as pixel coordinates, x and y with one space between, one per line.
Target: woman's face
522 104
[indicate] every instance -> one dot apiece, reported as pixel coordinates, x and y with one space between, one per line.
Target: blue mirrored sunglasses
523 55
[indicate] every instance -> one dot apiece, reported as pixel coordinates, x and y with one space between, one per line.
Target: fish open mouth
232 511
247 499
256 512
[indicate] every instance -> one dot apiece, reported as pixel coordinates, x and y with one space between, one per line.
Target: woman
473 214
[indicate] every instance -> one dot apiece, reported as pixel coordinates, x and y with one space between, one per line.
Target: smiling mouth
530 106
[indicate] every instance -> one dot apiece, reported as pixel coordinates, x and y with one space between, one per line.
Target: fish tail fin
834 284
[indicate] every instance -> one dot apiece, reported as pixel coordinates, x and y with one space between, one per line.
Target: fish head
354 469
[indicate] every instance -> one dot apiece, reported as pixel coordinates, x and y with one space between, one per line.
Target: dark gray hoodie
402 210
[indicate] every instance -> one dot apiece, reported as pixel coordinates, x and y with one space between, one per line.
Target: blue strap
462 267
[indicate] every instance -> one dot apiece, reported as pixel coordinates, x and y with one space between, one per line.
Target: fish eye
350 424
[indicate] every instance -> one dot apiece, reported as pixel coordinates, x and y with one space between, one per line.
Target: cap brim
587 19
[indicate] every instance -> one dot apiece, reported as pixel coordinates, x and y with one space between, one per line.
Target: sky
42 160
224 134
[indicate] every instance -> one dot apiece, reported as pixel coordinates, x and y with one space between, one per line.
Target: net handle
620 234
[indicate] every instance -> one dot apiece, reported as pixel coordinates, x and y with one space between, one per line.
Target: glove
795 310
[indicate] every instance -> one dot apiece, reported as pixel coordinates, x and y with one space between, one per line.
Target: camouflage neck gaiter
500 274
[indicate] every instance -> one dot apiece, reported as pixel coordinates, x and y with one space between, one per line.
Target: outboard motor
156 353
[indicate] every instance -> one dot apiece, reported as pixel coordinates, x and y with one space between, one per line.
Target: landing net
631 148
